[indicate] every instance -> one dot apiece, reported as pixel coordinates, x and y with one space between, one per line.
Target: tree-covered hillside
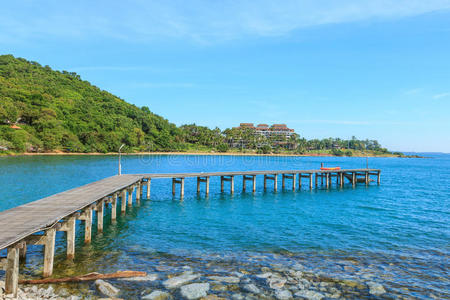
59 111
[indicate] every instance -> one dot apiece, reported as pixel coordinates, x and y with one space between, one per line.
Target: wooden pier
36 223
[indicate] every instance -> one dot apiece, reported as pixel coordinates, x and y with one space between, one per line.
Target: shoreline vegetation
48 112
212 153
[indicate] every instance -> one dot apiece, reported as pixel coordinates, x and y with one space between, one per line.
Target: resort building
276 135
278 130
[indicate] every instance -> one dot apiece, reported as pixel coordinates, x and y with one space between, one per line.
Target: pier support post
341 179
275 182
173 186
232 184
316 179
378 177
86 216
123 202
49 252
182 188
354 178
114 208
69 227
12 270
265 182
244 180
130 197
300 181
327 179
23 252
198 185
149 181
283 181
311 181
100 209
254 184
138 191
207 185
221 183
366 177
293 182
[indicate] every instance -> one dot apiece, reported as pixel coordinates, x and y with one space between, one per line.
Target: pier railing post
49 252
12 270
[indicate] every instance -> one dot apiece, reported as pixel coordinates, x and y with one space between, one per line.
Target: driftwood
87 277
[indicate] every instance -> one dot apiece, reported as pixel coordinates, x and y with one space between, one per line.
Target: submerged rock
227 279
276 282
283 294
177 281
376 288
194 290
310 295
251 288
106 288
157 295
149 277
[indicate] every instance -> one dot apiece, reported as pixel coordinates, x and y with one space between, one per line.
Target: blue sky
373 69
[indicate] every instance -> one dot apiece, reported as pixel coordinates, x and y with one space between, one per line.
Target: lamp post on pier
120 156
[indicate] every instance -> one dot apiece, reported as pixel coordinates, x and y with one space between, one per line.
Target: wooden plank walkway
22 221
241 173
22 225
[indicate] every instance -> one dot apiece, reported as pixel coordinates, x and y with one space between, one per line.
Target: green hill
59 111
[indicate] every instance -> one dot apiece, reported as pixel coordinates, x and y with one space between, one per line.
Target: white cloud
442 95
197 20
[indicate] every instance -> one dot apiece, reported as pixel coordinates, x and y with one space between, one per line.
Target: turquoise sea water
397 233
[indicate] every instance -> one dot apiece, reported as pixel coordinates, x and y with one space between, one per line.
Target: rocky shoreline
278 282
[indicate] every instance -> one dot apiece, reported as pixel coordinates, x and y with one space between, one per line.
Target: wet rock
310 295
106 288
227 279
237 297
157 295
276 282
265 275
194 290
213 297
376 288
251 288
149 277
177 281
283 294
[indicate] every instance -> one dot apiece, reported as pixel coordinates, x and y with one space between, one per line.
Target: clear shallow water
397 233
